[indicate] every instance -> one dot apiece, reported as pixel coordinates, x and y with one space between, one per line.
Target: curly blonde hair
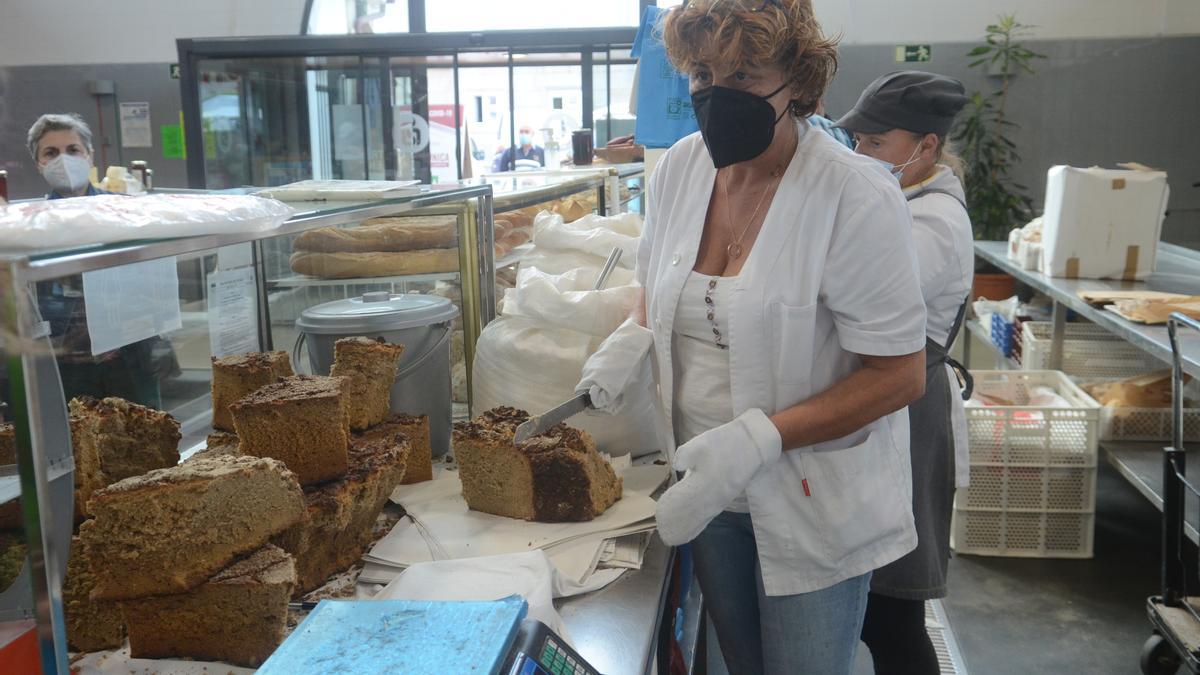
736 33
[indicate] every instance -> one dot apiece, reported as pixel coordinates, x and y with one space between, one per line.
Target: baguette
383 234
374 264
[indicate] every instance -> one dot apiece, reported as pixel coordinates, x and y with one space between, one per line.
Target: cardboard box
1102 223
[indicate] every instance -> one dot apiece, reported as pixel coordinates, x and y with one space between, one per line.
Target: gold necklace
734 249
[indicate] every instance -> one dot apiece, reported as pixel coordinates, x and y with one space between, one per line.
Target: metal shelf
1142 465
974 327
300 281
1177 271
44 265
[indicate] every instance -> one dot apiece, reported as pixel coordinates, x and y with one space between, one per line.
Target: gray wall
1092 102
29 91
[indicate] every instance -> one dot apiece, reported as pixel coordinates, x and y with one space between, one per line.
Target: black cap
924 103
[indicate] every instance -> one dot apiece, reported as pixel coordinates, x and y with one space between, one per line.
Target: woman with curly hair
787 328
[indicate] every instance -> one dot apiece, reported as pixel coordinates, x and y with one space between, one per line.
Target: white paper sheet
446 529
119 662
135 125
232 312
131 302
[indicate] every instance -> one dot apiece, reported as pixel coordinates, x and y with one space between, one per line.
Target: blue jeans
813 632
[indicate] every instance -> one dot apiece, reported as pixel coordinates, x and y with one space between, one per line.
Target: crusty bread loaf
171 529
92 625
369 368
416 429
13 552
128 439
341 514
10 511
301 421
517 219
394 234
114 439
237 616
374 263
555 477
234 377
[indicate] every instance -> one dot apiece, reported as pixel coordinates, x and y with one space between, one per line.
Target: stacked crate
1033 470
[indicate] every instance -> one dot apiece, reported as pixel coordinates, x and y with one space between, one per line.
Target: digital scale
424 638
540 651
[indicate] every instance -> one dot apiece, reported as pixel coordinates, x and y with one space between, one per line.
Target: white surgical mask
897 170
67 173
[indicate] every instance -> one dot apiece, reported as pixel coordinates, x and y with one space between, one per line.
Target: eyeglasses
715 3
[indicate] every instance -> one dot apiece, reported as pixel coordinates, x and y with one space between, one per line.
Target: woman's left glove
720 464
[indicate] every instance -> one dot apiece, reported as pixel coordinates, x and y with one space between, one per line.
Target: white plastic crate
1089 352
1146 424
1023 534
1024 435
1033 470
1029 488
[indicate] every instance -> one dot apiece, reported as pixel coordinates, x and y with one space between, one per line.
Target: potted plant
995 201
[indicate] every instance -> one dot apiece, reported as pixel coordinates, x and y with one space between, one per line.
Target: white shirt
946 257
831 275
945 249
705 400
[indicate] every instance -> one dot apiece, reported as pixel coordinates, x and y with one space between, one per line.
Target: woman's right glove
615 366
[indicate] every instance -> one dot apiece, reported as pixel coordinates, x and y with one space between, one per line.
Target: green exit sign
913 53
173 69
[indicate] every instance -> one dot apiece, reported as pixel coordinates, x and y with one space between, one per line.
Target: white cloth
720 463
705 400
831 275
945 248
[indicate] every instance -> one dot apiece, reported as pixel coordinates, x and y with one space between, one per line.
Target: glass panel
612 85
274 121
549 106
462 15
344 17
483 93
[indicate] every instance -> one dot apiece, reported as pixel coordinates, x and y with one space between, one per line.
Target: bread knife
549 419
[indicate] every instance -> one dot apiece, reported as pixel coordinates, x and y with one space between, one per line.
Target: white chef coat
831 275
946 257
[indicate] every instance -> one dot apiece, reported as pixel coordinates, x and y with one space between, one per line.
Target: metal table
616 628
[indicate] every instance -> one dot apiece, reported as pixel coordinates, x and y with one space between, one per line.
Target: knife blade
542 423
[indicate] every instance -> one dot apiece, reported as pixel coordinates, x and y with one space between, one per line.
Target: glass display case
221 294
232 293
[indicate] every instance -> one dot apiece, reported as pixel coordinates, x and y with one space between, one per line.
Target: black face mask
736 125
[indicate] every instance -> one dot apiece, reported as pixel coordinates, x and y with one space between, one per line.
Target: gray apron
921 574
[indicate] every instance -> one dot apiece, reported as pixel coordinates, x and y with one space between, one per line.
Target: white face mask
67 173
897 170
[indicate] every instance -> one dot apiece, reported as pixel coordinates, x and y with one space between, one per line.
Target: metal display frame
584 41
43 465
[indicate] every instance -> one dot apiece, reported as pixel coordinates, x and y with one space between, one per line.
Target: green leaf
982 49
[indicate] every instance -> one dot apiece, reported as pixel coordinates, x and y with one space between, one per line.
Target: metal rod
605 271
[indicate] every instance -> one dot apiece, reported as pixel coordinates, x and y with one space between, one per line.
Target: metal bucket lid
376 312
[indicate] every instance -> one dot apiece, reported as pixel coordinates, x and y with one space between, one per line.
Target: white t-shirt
704 400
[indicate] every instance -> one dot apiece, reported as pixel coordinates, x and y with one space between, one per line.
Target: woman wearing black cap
902 120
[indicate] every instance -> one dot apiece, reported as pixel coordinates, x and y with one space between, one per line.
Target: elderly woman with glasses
786 326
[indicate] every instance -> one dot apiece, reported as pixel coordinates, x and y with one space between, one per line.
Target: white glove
720 464
615 366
